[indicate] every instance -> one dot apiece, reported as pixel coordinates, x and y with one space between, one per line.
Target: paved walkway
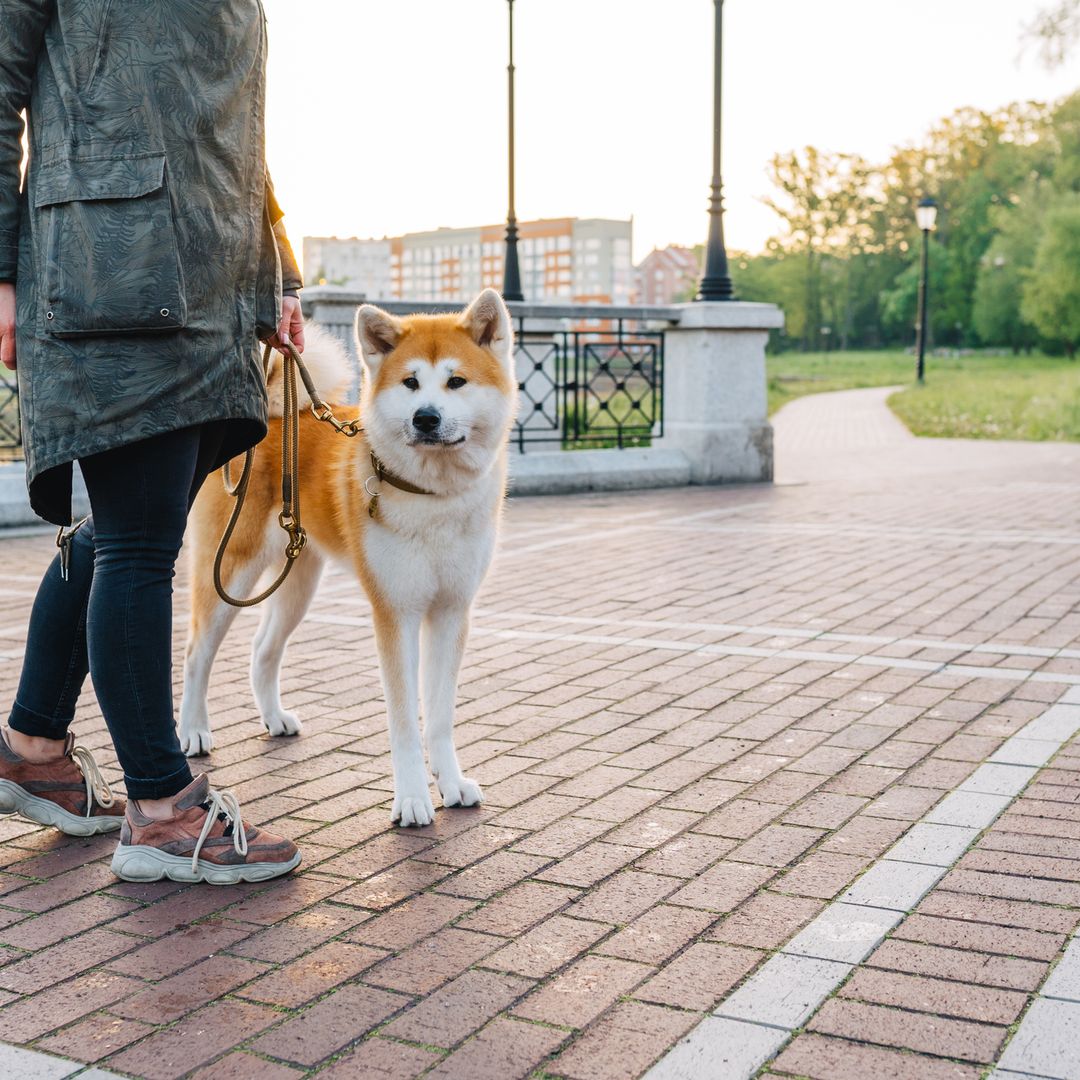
779 780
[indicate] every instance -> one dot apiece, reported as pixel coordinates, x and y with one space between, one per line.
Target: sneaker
68 792
204 840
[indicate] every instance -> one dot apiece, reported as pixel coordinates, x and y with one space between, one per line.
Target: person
141 261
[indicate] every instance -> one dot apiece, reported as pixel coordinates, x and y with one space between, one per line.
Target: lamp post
925 218
716 284
511 266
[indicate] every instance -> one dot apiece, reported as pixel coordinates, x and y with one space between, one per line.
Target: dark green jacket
145 243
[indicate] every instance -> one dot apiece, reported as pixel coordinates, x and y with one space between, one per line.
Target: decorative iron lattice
10 429
599 387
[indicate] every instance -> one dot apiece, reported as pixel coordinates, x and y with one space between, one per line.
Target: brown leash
289 518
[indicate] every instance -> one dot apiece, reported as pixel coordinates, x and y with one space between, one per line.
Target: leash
289 518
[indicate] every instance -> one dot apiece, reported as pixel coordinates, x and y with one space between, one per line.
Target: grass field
973 397
792 375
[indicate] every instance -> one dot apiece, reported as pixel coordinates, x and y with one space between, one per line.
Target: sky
390 116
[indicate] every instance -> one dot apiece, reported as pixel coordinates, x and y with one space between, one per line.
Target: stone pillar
715 408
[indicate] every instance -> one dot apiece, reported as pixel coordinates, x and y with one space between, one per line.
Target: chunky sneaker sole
138 862
17 800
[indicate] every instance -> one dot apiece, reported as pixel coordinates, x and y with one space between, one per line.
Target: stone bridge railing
644 396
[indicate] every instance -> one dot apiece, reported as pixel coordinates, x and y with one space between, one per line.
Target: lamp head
926 214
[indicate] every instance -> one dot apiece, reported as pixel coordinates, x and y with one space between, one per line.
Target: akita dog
438 399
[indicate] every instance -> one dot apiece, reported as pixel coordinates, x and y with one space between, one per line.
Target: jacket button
164 312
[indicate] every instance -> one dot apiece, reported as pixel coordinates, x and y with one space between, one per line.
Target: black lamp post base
715 288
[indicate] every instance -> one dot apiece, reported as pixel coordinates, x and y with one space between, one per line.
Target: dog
439 395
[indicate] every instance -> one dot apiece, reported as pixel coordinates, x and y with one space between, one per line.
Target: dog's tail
325 357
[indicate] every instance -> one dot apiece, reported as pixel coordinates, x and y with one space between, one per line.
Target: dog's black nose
426 420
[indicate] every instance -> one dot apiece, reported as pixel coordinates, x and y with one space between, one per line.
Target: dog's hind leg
445 633
398 640
210 622
281 617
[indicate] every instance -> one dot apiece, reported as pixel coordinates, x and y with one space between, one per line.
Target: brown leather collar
385 476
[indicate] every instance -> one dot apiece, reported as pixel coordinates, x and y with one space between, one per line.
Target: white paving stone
898 886
19 1064
1002 1074
1046 1042
999 779
1058 723
1070 697
785 991
1018 751
1064 981
935 845
720 1049
844 932
971 809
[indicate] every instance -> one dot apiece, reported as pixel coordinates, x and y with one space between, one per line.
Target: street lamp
716 284
511 266
926 219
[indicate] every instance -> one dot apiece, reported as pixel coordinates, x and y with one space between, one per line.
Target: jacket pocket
112 261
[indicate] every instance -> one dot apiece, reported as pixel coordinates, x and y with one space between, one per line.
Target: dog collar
384 476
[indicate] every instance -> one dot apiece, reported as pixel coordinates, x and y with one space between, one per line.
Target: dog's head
440 391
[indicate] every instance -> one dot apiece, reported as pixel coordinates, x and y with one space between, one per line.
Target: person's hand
7 325
290 327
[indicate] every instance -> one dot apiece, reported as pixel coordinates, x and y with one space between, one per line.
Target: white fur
427 557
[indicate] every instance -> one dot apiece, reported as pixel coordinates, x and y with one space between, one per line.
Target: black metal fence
589 387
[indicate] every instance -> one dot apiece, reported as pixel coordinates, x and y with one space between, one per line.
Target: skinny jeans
112 617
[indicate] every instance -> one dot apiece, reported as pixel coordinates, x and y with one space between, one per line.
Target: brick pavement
698 716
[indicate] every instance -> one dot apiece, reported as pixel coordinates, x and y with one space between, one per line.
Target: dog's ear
377 334
487 322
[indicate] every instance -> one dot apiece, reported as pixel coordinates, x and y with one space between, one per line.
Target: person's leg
55 661
140 495
175 825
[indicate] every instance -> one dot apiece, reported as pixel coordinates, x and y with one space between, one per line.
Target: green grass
973 397
1034 398
792 375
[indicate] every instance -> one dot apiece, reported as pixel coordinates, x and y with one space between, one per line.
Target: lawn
794 374
973 397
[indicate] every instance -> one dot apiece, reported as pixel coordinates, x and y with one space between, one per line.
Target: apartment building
362 265
569 260
666 275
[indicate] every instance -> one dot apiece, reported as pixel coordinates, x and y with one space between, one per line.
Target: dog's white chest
422 552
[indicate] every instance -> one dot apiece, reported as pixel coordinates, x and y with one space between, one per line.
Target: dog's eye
411 382
455 382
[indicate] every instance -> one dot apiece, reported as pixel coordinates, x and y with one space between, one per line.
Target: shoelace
97 788
221 802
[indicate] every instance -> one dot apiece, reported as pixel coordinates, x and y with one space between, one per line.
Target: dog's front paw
196 740
413 809
460 792
283 723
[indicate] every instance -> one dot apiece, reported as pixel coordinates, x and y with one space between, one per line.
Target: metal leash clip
64 537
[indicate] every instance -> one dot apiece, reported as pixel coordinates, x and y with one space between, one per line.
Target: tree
1051 298
827 206
1005 268
1057 30
899 304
